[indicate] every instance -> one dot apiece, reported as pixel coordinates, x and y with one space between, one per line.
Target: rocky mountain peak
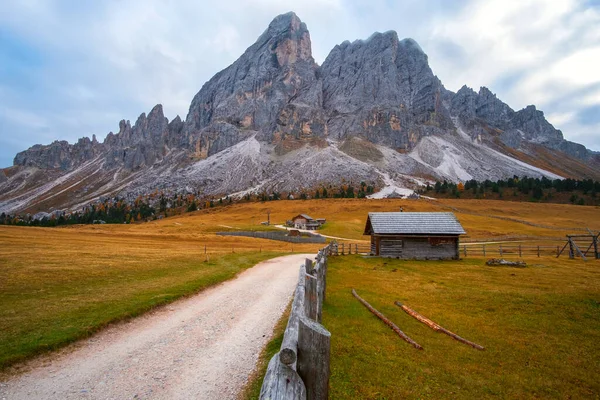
375 99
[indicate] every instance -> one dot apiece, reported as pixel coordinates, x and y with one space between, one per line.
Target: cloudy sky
72 68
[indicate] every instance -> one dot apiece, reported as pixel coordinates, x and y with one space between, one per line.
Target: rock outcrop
373 111
382 89
272 89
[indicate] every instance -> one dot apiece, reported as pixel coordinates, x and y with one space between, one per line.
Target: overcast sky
75 68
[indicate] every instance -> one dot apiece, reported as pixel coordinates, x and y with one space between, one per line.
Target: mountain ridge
279 101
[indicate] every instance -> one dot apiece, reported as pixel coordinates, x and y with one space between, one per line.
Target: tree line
575 191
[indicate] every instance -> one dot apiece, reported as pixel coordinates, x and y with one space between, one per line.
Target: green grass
540 327
46 305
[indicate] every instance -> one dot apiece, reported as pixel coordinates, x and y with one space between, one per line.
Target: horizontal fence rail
507 250
343 249
300 370
275 235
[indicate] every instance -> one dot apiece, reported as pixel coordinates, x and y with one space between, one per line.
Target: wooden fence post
289 344
538 251
324 281
314 343
281 382
571 250
342 248
465 250
500 250
310 296
557 251
484 250
520 254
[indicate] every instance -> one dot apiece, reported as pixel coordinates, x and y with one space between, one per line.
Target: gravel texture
202 347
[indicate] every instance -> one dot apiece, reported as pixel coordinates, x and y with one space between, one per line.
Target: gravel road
202 347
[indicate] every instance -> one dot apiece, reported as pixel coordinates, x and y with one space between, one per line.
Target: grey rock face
375 101
483 113
382 89
59 154
272 88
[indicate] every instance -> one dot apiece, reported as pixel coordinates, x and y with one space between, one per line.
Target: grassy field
61 284
540 326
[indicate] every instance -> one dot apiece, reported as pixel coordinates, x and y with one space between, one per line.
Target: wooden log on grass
314 343
281 382
289 345
387 321
436 327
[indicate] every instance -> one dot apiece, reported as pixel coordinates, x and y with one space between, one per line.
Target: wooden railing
507 250
300 370
343 249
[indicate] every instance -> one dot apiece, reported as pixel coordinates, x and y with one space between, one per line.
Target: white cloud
560 119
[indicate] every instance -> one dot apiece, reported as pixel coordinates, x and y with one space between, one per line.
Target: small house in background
303 221
414 235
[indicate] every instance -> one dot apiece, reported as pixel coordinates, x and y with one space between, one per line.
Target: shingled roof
413 223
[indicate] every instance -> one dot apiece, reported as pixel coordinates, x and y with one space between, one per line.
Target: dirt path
203 347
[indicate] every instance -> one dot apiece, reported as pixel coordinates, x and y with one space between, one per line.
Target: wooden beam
310 296
314 343
579 251
387 321
281 382
289 345
436 327
561 250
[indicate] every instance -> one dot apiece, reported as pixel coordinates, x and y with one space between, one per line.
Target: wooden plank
281 382
558 253
579 251
310 296
289 345
314 343
436 327
387 321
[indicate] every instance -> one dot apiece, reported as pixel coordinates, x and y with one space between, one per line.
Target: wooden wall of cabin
420 248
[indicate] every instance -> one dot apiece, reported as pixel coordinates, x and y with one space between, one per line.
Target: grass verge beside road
53 292
540 326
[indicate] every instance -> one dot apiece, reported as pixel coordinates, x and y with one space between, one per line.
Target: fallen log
436 327
387 321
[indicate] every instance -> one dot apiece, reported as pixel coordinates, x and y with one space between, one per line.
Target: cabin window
434 242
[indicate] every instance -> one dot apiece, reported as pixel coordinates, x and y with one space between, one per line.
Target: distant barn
306 222
414 235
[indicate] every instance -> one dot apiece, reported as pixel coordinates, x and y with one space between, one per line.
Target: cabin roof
303 216
413 223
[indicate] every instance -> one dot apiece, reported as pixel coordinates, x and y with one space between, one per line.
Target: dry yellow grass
58 284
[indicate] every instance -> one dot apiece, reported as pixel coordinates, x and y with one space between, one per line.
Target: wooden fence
276 235
300 370
507 250
343 249
486 250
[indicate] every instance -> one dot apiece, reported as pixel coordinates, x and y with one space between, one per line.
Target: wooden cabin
414 235
303 221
